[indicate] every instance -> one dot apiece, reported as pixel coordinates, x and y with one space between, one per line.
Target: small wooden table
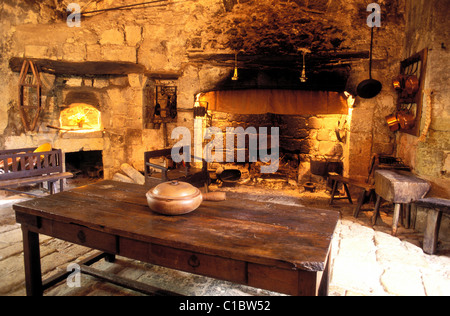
399 187
276 247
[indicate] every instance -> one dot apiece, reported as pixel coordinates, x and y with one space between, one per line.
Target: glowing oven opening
80 117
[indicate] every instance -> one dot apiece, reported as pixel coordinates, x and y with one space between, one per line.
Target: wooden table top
289 237
400 186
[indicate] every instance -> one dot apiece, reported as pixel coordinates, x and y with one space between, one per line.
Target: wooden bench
22 167
436 207
367 190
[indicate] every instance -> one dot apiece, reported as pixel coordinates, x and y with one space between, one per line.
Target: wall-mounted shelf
160 105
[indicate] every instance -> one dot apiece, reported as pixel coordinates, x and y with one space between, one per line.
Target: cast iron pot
369 88
178 198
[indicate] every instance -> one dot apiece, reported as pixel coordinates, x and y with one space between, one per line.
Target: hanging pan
369 88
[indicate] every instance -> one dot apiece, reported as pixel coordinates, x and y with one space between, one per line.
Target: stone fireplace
311 130
119 64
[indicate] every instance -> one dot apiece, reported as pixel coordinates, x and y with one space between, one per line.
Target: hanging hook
303 78
235 76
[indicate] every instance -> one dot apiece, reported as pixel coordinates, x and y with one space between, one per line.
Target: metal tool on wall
369 88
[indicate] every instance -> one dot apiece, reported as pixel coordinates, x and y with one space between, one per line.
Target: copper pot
398 83
178 198
393 122
411 85
406 120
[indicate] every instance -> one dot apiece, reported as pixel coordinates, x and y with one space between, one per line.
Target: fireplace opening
309 146
85 164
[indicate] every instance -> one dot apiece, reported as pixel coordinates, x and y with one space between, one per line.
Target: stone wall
155 37
428 27
161 37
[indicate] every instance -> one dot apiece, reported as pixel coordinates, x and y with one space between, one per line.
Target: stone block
324 135
94 52
383 148
360 153
133 34
119 81
101 83
330 122
446 168
119 53
326 148
402 280
36 51
112 36
119 121
429 161
136 80
362 120
74 52
74 82
314 123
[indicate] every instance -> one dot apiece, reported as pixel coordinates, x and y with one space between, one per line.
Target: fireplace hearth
85 164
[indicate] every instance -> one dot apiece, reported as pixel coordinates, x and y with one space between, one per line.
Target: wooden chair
181 172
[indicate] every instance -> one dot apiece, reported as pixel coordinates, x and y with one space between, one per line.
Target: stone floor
366 261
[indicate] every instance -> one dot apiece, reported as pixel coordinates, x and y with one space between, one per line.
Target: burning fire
81 116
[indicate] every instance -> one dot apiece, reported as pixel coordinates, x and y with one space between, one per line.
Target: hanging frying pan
369 88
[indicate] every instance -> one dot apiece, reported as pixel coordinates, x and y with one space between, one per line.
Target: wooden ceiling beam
317 61
88 68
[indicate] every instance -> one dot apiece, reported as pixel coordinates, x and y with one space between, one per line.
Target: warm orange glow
81 116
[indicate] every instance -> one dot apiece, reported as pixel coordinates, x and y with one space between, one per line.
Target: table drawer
72 233
211 266
86 237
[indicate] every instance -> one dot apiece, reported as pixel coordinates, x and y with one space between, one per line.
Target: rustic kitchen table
276 247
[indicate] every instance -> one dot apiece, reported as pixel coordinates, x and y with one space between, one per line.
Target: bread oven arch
82 117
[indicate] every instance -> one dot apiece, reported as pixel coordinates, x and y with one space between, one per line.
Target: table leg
431 234
360 203
333 191
324 283
51 187
347 191
407 215
396 218
376 210
32 263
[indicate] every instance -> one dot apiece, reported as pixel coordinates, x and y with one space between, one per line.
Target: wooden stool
398 187
436 207
367 190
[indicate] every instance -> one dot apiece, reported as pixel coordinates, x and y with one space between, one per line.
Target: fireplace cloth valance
287 102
